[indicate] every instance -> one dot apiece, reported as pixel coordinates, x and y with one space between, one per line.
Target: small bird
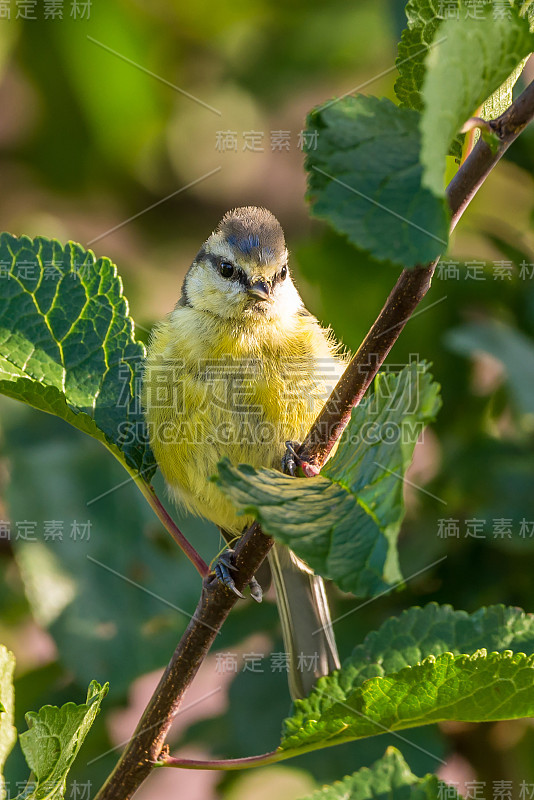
238 369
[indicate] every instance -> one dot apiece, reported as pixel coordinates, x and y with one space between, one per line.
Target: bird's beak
260 289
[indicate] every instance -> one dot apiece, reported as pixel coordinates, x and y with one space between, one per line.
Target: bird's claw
223 573
223 569
256 592
291 461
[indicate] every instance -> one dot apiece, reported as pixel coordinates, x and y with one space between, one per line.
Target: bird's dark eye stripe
202 255
280 276
241 277
237 273
216 262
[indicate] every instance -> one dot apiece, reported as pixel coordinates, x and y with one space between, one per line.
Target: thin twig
216 602
227 763
168 522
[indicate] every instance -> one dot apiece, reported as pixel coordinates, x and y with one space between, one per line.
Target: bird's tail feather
306 624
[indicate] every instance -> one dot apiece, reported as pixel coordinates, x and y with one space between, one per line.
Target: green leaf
423 20
111 589
377 446
474 688
8 733
68 343
389 777
511 347
471 62
232 736
345 522
427 665
364 177
415 635
498 102
54 739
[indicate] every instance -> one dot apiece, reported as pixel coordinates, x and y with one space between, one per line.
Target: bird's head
241 270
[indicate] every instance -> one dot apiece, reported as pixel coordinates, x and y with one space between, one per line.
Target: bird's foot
291 461
223 571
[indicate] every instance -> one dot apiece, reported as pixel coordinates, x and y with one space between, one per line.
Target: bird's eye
283 273
226 269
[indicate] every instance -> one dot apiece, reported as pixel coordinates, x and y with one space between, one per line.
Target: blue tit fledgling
236 370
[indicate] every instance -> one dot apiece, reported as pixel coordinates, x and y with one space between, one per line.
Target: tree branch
481 160
410 289
145 747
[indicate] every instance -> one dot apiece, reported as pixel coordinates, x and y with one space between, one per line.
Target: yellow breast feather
217 389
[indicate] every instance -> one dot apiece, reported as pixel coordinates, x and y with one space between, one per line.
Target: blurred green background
131 129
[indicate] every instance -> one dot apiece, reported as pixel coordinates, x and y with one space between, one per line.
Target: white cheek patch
209 291
231 289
